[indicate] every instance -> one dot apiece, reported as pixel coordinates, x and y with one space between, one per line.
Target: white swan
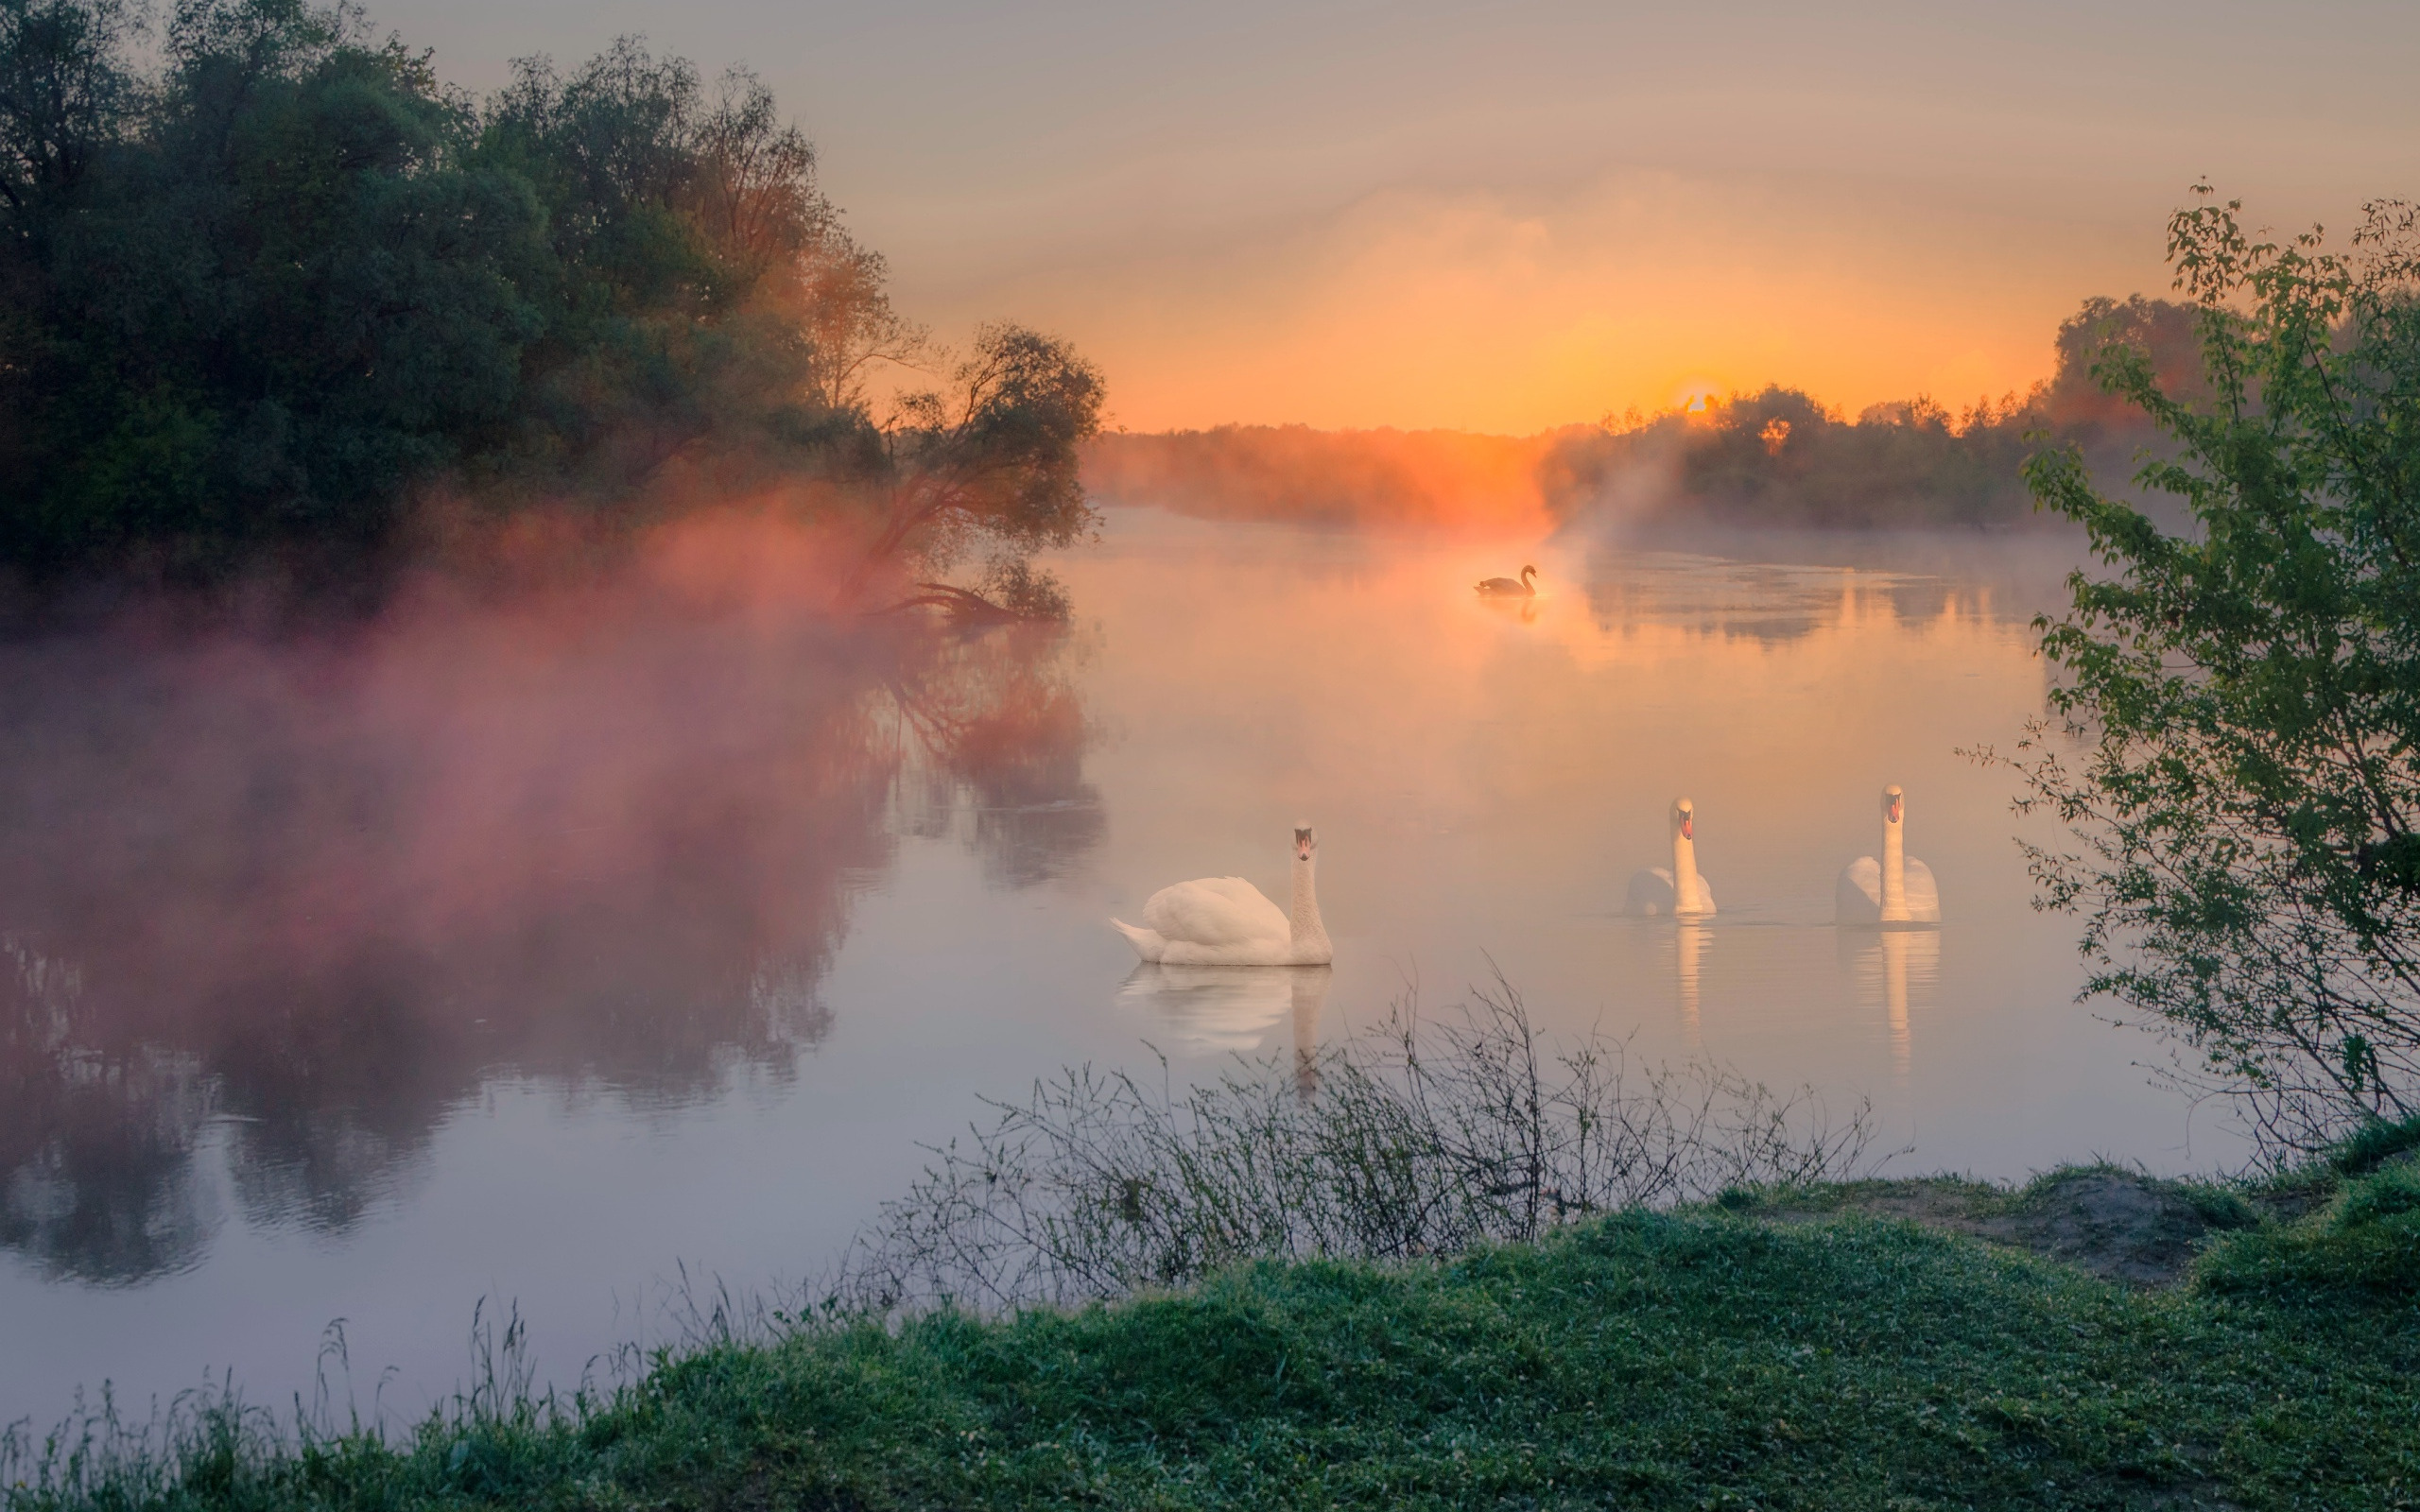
1522 587
1680 892
1225 920
1898 889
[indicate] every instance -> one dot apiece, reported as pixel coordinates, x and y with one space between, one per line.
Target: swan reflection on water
1515 607
1230 1010
1896 970
1689 941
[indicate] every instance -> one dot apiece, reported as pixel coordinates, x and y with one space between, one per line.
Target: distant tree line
265 279
1780 458
1774 458
1364 477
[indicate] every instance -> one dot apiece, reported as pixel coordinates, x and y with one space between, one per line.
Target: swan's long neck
1308 931
1688 894
1894 869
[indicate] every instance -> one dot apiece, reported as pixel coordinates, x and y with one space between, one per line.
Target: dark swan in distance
1510 588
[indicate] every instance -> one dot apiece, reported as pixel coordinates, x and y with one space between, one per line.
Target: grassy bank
1780 1348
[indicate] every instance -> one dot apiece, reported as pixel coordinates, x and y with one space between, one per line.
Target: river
577 958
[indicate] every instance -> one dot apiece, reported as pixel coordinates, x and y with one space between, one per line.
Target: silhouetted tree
263 291
989 467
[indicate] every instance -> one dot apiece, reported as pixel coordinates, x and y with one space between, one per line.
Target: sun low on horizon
1575 752
1464 312
1526 216
1508 218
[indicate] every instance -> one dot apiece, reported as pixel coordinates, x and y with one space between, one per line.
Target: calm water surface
535 954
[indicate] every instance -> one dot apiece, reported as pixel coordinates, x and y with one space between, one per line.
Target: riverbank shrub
1422 1137
2232 735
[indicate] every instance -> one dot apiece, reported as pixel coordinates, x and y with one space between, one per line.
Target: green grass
1701 1359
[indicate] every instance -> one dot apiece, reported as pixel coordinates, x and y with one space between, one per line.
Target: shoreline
2095 1337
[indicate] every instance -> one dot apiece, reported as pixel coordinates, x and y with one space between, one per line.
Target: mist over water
532 948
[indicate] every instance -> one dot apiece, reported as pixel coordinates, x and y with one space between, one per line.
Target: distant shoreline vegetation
276 299
1777 457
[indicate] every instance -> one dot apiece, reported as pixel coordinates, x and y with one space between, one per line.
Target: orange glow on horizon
1475 311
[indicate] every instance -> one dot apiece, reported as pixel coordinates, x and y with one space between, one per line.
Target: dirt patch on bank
2113 1224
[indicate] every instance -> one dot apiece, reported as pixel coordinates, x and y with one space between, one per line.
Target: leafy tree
2246 692
2075 406
61 93
989 466
1779 457
261 293
282 294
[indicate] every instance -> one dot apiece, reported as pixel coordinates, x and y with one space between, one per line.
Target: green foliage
2075 409
2361 1249
991 463
62 91
2247 691
1779 457
2387 1194
262 294
281 293
2373 1143
1644 1361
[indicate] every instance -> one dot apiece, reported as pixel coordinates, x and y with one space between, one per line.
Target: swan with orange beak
1680 892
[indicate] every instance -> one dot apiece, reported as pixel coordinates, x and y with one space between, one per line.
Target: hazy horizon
1511 219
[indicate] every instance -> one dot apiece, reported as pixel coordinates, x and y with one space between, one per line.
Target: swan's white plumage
1679 890
1896 888
1228 922
1650 893
1653 896
1215 911
1858 894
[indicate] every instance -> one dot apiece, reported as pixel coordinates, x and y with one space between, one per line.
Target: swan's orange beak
1688 827
1303 845
1894 811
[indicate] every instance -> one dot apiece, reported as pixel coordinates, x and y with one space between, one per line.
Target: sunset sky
1513 215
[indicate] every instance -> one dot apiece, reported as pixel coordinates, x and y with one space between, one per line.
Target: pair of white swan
1897 889
1226 921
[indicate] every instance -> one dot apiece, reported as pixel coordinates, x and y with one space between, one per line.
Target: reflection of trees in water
1759 601
1004 733
298 903
1696 586
96 1139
